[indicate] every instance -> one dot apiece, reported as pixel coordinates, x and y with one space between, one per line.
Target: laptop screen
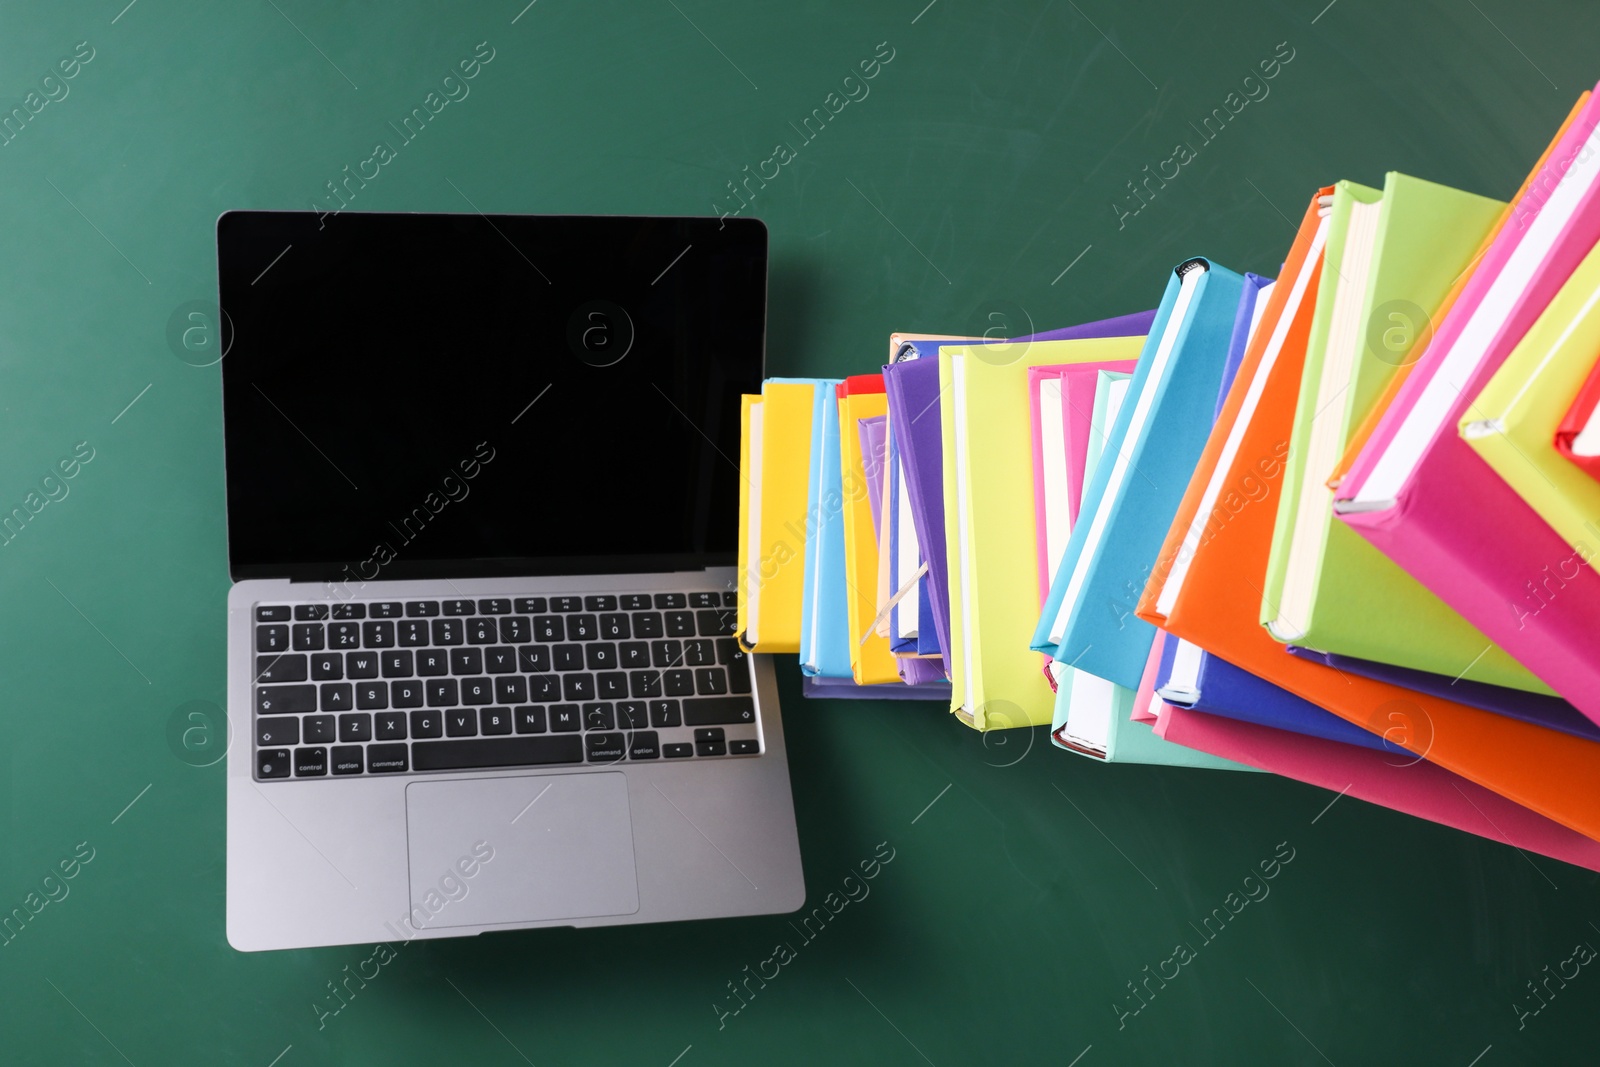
421 396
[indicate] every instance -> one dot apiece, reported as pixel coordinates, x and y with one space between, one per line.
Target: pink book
1424 498
1417 787
1145 701
1077 411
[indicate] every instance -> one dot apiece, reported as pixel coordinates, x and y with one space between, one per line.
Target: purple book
818 688
912 385
1551 712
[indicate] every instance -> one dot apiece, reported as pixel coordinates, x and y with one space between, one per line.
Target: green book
1390 260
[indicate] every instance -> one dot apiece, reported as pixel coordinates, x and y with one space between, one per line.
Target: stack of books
1338 524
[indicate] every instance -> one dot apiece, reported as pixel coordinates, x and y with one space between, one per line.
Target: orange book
1365 428
1207 588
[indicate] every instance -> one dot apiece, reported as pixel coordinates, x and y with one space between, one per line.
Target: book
1578 436
861 396
1423 497
989 532
772 578
1151 452
1078 397
824 636
1397 253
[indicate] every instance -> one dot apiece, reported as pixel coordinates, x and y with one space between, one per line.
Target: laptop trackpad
511 850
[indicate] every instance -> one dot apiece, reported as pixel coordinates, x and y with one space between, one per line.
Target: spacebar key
718 711
500 752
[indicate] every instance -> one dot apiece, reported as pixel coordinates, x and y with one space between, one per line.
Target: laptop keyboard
388 687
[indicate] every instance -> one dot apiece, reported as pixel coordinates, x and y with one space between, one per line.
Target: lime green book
1512 423
996 680
1391 258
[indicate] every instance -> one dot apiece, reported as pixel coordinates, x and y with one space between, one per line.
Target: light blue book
1151 453
824 629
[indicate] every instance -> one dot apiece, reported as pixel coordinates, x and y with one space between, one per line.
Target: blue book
824 631
1190 677
1252 302
1151 452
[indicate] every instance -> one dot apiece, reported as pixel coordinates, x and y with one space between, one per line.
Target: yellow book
1512 423
996 679
748 532
871 662
774 566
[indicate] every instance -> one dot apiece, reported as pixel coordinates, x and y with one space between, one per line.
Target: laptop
482 502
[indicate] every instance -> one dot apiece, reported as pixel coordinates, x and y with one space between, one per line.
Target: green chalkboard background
974 185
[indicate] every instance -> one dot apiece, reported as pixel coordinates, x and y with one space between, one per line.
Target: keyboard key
459 607
709 711
495 720
347 760
566 603
272 613
568 657
666 653
285 668
466 661
377 634
498 752
336 696
277 730
678 683
310 612
730 599
749 747
496 606
413 633
644 683
600 656
671 600
635 602
397 665
386 759
500 660
604 748
738 679
327 668
355 727
543 688
709 733
272 763
421 609
386 609
564 718
704 600
533 658
349 611
664 714
482 631
427 724
582 628
361 665
310 762
729 654
531 605
632 654
633 715
611 685
711 748
372 696
406 694
284 699
529 720
677 751
463 722
599 717
442 693
699 653
512 690
718 623
515 630
644 744
447 631
647 624
710 681
577 686
308 636
319 728
432 663
272 639
548 628
342 634
615 627
390 726
599 603
680 624
476 691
